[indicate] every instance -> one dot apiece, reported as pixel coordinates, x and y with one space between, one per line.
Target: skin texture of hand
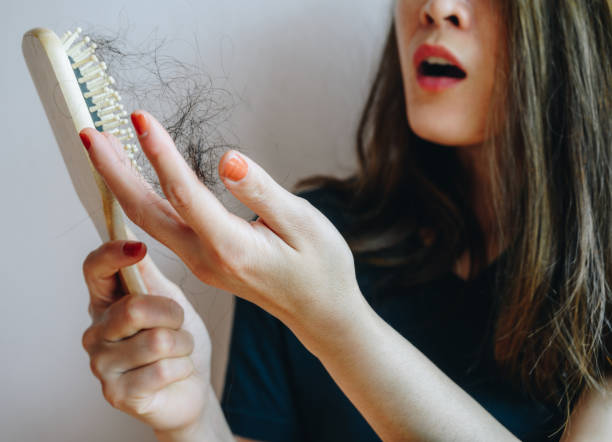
151 353
291 261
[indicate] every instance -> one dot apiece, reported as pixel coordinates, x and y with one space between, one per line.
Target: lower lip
436 84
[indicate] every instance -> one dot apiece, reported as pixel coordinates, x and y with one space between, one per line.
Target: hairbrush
77 92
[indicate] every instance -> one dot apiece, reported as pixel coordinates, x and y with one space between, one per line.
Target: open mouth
434 69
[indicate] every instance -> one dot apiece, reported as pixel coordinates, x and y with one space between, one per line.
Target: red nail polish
140 123
132 248
85 140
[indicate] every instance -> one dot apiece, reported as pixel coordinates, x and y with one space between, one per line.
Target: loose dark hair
550 164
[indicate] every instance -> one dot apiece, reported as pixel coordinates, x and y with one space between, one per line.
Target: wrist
193 431
336 331
210 425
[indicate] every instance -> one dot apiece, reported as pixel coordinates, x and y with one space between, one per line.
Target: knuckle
106 165
111 394
221 261
162 370
133 310
95 364
306 209
189 340
88 339
301 200
155 152
96 257
202 269
161 341
216 263
142 407
258 193
202 266
87 263
308 217
136 214
179 194
176 310
306 205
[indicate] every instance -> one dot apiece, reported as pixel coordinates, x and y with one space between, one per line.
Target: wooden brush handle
68 114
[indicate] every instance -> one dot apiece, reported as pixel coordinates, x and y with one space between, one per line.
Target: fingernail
132 248
85 140
140 123
234 166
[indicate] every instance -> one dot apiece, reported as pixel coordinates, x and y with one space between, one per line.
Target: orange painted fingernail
234 166
85 140
140 123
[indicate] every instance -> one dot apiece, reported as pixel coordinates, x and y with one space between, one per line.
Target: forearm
400 392
591 418
212 426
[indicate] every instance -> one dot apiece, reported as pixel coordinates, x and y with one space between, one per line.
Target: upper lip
427 50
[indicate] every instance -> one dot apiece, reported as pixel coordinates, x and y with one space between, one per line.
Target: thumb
100 270
279 209
154 279
158 284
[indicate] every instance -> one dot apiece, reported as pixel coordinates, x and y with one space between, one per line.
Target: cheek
406 19
406 26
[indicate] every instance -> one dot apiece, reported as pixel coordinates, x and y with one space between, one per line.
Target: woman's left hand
291 261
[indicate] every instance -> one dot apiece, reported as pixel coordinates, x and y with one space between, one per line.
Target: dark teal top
275 390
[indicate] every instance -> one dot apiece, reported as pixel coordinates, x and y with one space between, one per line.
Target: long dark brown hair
550 163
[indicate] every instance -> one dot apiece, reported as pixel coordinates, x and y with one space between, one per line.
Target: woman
478 304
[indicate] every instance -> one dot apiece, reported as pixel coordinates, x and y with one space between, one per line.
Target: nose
438 12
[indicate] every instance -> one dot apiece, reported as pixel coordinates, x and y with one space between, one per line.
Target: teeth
438 60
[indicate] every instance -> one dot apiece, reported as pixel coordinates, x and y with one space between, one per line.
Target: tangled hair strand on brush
180 95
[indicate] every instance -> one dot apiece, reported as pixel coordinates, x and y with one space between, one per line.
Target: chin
446 133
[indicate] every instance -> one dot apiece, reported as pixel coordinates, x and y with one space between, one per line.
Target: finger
200 209
153 278
140 203
100 268
145 347
133 313
164 205
283 212
147 380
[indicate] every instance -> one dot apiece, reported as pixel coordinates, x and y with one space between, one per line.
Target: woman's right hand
151 352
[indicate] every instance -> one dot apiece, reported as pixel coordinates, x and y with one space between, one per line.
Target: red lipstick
435 83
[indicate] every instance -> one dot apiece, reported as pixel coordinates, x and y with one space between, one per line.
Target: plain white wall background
299 72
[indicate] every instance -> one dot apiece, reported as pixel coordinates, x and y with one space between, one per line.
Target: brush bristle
103 101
